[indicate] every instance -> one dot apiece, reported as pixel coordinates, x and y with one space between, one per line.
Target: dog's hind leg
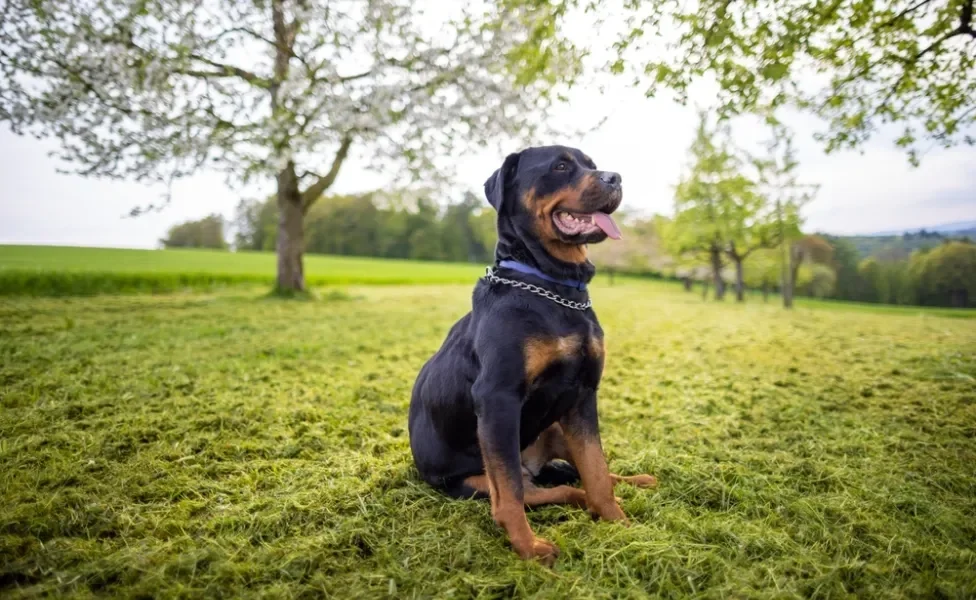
534 495
544 460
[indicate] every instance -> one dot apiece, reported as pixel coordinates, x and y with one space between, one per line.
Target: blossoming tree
154 90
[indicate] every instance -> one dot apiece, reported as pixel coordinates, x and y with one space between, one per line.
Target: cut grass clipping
225 445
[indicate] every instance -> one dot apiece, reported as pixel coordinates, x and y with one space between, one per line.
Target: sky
645 140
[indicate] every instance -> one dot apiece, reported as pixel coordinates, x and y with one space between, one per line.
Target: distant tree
394 224
763 271
344 225
809 250
855 64
207 232
484 228
875 283
887 281
462 239
154 91
845 260
818 281
256 225
753 228
778 181
713 202
637 252
946 275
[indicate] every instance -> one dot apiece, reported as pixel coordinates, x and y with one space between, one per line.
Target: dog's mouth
584 224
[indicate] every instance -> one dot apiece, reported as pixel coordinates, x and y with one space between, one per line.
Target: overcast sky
645 140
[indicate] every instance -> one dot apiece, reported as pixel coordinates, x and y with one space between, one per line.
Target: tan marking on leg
644 481
560 494
508 511
542 352
536 496
592 466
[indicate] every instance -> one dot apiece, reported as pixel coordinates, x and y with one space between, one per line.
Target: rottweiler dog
508 405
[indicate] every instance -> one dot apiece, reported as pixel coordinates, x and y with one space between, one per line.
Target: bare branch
356 76
323 183
231 70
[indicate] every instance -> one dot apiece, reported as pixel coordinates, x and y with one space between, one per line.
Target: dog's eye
560 166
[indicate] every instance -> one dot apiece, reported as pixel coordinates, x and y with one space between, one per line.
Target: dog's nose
610 178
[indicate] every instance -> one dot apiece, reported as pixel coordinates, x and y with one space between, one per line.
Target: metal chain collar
490 276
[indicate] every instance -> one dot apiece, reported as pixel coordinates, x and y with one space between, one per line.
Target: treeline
944 275
207 232
378 224
413 226
901 247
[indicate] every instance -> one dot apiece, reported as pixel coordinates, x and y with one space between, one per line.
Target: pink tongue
605 223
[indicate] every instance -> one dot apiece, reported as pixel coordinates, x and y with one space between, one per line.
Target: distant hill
959 227
900 245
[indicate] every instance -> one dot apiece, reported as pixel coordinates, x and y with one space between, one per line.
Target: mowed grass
69 271
228 445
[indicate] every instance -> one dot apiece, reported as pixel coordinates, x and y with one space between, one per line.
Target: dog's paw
610 511
644 481
539 549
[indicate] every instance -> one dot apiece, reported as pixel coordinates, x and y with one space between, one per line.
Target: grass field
62 271
67 271
229 445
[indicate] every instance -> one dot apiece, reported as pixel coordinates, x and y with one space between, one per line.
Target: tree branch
224 69
356 76
899 16
231 70
323 183
966 19
910 63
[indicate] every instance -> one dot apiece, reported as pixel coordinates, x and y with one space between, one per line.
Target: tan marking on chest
596 347
542 352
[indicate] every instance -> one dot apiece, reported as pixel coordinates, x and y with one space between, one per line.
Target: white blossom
156 90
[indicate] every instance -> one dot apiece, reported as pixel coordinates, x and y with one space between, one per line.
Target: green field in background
73 271
347 269
66 271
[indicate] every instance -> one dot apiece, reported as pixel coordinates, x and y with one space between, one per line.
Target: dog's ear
500 180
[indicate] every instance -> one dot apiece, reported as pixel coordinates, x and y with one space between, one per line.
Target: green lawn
62 270
228 445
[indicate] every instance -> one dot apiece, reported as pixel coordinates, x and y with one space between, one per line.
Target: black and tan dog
509 402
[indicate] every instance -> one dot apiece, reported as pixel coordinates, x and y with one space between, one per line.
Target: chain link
490 276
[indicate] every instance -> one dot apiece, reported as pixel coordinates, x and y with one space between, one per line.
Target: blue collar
524 268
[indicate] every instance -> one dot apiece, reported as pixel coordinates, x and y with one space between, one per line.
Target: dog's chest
573 359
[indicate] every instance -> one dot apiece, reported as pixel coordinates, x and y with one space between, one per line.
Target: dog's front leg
582 433
499 416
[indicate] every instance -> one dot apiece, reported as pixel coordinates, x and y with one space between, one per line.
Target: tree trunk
787 270
789 286
765 291
716 259
786 259
291 233
687 281
610 273
740 286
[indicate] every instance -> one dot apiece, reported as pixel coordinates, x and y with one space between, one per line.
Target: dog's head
556 197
